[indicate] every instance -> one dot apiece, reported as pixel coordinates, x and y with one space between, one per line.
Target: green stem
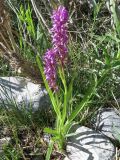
62 76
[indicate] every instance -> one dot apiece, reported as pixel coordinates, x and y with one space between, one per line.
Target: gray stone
4 141
21 91
46 138
87 144
108 122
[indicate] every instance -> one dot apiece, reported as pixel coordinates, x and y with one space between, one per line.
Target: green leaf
49 151
50 131
118 55
71 134
39 35
69 95
107 57
116 64
100 62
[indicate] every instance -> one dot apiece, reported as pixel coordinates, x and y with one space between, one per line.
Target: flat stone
87 144
22 91
107 122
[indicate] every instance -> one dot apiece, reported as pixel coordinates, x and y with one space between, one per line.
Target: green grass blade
50 131
49 151
84 102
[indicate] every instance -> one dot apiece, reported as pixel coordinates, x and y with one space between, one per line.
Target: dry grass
10 51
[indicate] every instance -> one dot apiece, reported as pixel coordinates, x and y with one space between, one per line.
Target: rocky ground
99 142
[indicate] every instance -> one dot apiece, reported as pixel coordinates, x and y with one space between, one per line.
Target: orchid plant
54 62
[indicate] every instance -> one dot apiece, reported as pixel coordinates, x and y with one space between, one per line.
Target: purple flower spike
59 33
50 69
58 54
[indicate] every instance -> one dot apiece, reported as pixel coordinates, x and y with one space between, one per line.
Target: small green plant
92 57
54 61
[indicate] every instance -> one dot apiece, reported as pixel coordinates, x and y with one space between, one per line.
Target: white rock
87 144
4 141
22 92
108 122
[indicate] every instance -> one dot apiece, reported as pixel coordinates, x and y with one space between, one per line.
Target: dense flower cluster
59 33
58 53
50 68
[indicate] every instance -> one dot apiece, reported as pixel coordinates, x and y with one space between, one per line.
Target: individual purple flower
59 33
50 68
